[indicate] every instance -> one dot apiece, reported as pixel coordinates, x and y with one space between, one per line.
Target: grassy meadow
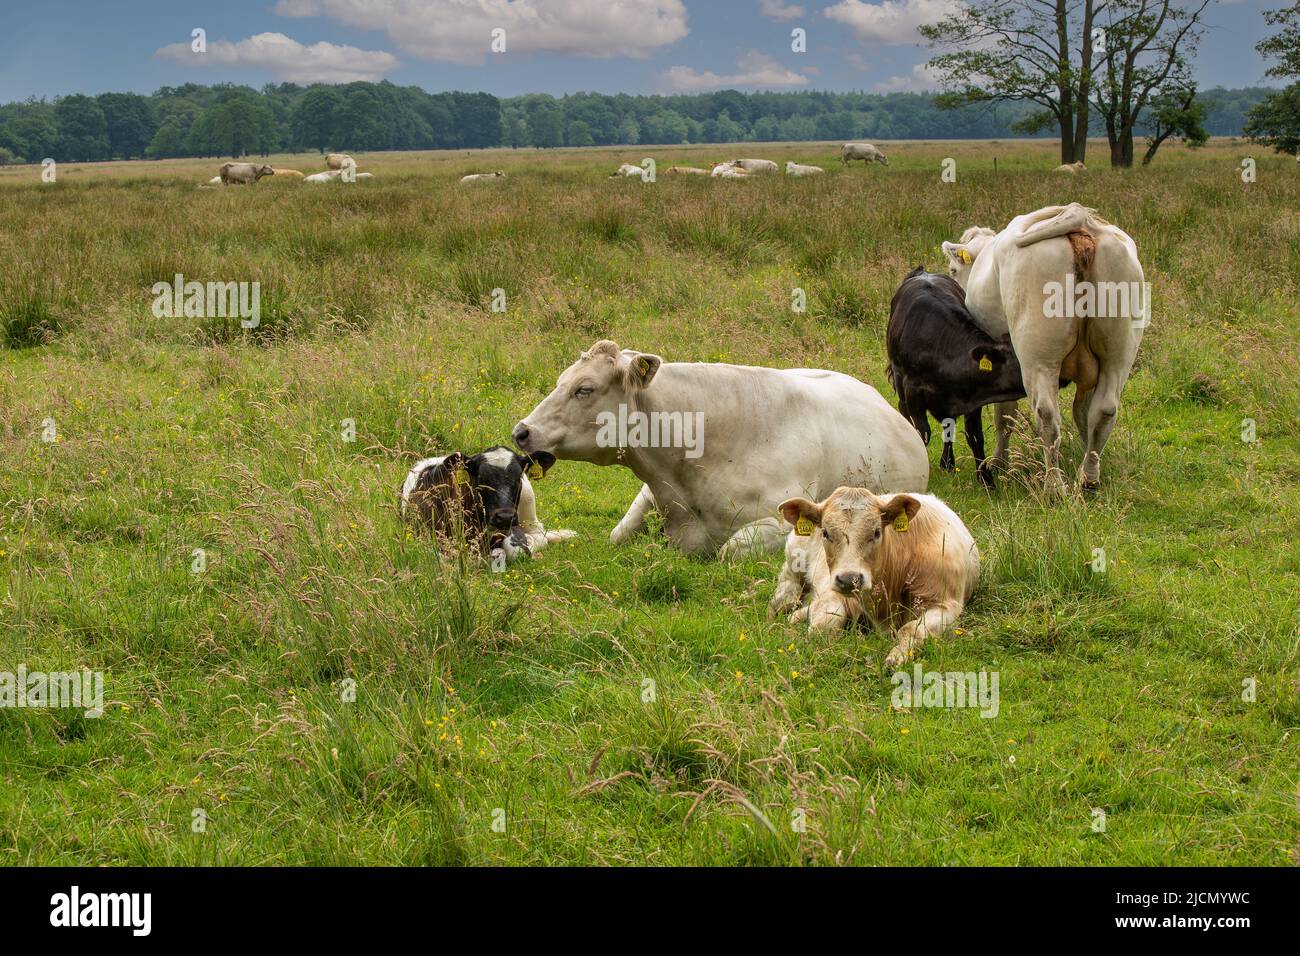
522 699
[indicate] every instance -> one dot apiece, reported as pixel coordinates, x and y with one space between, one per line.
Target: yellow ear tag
643 365
535 471
964 256
900 523
803 527
985 364
458 477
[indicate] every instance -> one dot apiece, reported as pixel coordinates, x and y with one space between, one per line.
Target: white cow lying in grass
797 169
905 562
479 177
627 169
717 446
756 165
728 171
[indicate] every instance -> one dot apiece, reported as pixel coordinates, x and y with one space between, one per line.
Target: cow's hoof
1090 487
986 478
897 657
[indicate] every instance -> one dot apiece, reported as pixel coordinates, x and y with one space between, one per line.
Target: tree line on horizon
226 120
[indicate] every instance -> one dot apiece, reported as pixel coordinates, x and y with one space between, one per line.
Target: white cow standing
863 151
719 447
1018 281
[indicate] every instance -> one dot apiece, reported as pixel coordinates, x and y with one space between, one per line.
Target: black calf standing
943 364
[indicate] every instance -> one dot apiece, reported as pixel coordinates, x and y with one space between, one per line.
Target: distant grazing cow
905 562
796 169
942 363
756 165
1069 288
476 177
863 151
717 446
241 174
1072 168
486 499
339 160
686 171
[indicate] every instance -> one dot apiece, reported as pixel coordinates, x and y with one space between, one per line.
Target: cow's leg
1102 409
789 591
1042 385
758 537
633 522
948 457
910 638
1004 420
973 424
1079 411
827 613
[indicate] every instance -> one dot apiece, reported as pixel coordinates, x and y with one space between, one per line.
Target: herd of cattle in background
876 547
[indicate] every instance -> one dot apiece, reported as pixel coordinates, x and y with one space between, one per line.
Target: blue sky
53 47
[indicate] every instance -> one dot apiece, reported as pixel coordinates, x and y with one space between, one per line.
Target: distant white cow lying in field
686 171
755 165
476 177
728 171
717 446
796 169
242 174
905 562
337 175
627 169
1072 168
863 151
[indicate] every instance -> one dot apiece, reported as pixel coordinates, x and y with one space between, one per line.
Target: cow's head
497 476
961 255
852 523
567 421
260 171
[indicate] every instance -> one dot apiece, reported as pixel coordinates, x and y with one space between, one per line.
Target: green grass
528 692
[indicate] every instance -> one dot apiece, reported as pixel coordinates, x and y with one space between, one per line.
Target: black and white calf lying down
485 499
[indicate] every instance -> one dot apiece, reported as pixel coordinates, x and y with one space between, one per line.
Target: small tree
1176 114
1276 121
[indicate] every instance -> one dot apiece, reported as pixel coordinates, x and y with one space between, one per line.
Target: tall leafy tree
1275 121
1144 48
129 121
1035 51
83 132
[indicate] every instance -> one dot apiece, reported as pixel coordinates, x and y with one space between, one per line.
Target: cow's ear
795 508
987 358
537 464
958 253
642 368
895 507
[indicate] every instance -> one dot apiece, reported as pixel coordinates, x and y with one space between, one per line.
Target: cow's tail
1060 221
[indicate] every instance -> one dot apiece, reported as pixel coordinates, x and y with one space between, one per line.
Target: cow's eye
583 391
826 534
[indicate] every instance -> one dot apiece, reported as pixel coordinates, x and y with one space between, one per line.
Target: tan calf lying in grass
906 562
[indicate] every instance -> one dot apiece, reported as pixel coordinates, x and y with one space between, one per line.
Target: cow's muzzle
849 582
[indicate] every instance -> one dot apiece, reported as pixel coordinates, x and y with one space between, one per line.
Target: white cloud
779 9
460 31
918 81
893 22
288 59
755 70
